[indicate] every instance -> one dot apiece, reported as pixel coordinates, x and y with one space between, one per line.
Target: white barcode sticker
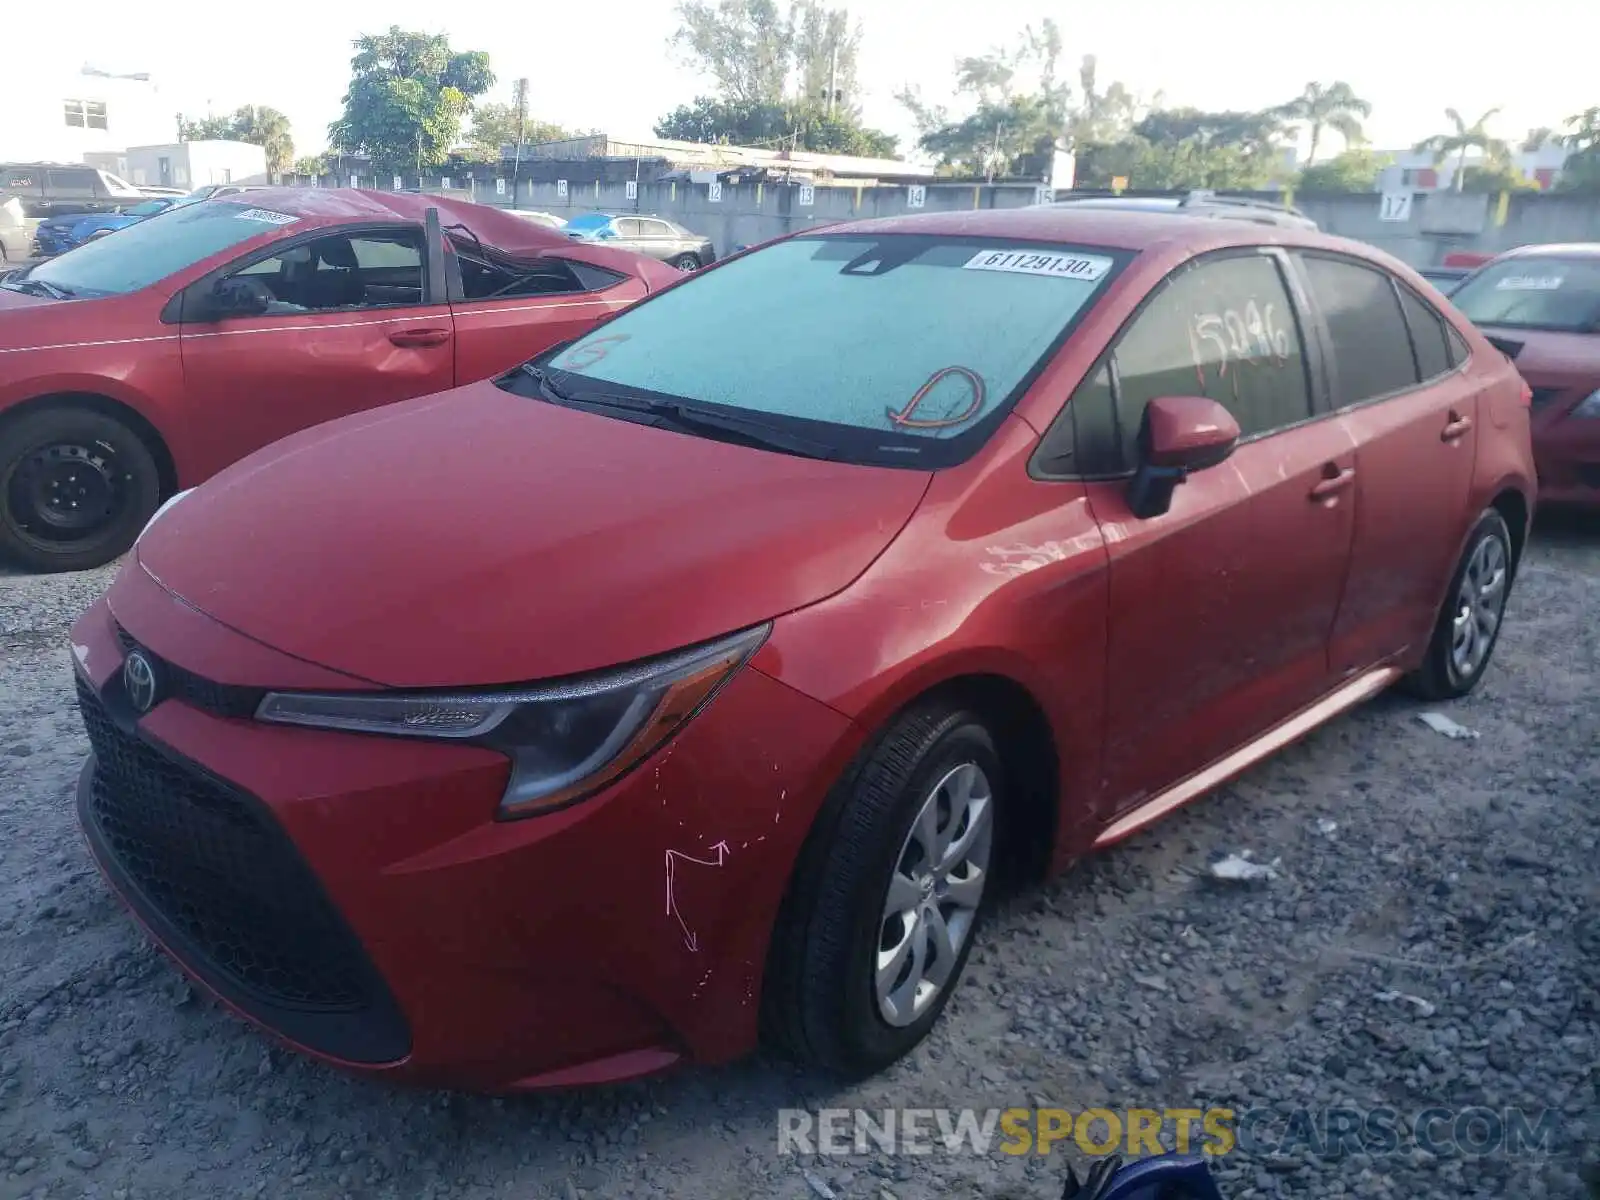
1087 267
268 216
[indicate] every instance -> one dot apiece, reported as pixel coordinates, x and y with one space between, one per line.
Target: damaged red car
1541 305
138 365
703 679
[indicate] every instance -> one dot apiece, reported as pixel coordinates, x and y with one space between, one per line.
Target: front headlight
565 740
1589 406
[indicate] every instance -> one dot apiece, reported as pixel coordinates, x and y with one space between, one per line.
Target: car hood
1552 359
478 537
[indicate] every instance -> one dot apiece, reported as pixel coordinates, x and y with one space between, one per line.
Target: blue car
58 234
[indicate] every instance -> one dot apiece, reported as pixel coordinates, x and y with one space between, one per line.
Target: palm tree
1335 107
269 129
1537 139
1465 137
1585 128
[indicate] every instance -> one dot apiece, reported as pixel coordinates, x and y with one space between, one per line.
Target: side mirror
234 298
1177 436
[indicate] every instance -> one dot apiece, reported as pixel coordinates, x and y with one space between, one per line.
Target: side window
1371 351
22 180
341 271
1457 346
482 279
71 183
383 253
627 227
656 229
1224 329
1427 335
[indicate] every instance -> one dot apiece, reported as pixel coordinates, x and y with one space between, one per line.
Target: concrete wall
1438 222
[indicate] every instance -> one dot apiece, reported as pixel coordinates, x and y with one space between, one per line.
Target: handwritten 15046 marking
1250 337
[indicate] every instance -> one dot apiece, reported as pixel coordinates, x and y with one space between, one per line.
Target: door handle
1334 480
1456 428
420 337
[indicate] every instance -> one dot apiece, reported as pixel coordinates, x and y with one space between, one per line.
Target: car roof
1554 250
1113 228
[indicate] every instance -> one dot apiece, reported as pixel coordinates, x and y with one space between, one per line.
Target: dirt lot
1459 872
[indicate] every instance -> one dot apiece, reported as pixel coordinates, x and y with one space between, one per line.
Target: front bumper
356 897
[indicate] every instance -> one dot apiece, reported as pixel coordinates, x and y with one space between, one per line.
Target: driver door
349 324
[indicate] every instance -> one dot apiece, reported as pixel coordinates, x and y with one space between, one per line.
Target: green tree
1319 108
804 125
747 46
1462 138
1581 172
1495 178
495 126
407 97
254 123
310 164
1355 170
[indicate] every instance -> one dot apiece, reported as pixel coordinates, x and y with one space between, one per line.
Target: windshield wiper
542 377
762 434
38 287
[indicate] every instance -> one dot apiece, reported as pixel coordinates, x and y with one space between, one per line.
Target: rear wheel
76 487
686 262
1468 628
887 896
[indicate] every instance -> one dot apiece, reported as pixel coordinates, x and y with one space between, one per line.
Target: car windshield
147 252
898 349
148 209
1534 292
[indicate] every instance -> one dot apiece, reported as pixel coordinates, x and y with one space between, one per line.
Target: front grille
219 699
221 883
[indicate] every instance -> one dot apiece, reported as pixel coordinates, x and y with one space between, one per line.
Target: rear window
152 249
1534 292
895 348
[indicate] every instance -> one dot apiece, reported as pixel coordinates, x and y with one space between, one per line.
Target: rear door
1395 384
506 311
658 240
355 322
1220 609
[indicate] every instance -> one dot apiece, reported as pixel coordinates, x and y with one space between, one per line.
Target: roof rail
1202 196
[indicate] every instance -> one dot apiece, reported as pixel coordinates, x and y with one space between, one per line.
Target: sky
1410 58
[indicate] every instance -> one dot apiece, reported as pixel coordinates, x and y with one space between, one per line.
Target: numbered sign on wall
714 191
499 186
1395 206
398 183
916 196
633 189
561 189
355 181
808 195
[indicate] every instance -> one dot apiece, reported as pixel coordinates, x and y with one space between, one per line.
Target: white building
62 116
194 164
1411 171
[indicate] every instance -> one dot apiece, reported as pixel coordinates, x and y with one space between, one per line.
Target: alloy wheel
1480 604
934 894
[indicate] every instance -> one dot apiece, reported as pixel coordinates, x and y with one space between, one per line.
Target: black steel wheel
76 487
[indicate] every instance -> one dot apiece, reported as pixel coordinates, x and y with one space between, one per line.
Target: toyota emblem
139 681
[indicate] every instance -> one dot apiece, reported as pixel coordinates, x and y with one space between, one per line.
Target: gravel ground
1460 872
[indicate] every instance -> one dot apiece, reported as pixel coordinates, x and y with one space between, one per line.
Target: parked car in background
139 364
58 189
153 191
213 191
813 594
54 235
1541 304
548 220
661 239
1444 278
16 234
1197 204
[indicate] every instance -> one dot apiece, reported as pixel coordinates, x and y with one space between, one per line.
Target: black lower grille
217 878
1544 395
222 699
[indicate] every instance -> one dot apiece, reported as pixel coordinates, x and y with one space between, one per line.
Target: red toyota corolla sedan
701 678
1542 305
143 363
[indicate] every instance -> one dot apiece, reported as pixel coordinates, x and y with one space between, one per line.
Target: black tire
119 485
819 1002
687 262
1440 677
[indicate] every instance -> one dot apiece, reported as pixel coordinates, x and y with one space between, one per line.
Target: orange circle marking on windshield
594 351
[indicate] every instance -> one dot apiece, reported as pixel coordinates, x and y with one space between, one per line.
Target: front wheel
686 262
1468 628
76 487
887 897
